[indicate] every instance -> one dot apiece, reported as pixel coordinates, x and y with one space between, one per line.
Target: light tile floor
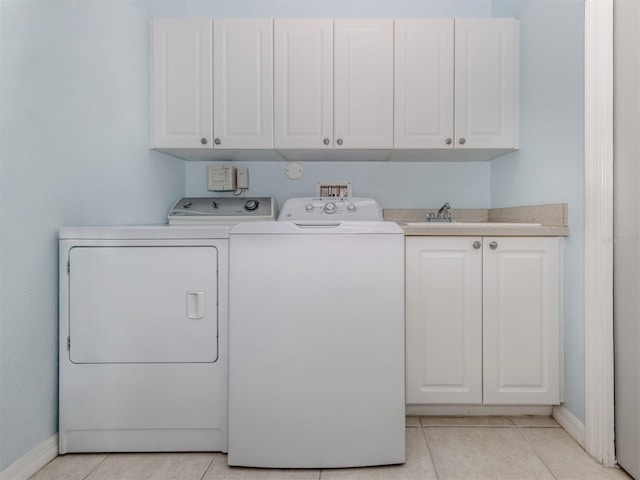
462 448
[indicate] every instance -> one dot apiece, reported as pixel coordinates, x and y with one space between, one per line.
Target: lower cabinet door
444 320
521 320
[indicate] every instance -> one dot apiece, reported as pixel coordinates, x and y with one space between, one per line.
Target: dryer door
143 304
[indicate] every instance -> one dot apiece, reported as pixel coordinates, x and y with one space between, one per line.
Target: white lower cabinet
483 320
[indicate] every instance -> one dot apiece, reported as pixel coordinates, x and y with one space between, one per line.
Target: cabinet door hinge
69 342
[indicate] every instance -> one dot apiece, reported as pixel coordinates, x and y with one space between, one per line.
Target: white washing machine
143 332
316 338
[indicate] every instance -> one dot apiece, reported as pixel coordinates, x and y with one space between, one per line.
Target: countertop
505 222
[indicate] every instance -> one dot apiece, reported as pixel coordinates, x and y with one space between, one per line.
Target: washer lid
331 209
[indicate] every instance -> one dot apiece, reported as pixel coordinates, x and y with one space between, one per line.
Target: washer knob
351 207
330 208
251 205
308 207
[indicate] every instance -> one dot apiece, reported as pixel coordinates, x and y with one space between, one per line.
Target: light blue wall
549 166
338 8
74 151
398 185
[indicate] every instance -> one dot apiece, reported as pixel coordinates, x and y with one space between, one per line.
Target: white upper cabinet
424 83
243 83
486 78
363 83
309 88
456 83
181 90
303 83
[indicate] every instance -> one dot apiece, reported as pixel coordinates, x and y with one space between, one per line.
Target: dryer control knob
251 205
330 208
308 207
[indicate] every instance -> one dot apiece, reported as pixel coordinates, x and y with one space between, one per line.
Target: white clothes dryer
143 328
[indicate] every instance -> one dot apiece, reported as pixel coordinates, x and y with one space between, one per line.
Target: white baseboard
570 423
476 410
33 461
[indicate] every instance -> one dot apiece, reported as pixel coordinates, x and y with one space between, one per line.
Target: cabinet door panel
443 320
485 78
363 101
522 309
243 83
181 83
423 83
303 73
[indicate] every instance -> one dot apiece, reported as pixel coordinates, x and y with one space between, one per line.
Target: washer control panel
330 208
206 210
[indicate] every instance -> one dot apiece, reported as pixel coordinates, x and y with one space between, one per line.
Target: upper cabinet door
363 96
181 83
423 83
303 95
485 83
243 83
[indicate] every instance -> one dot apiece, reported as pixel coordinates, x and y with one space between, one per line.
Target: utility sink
466 224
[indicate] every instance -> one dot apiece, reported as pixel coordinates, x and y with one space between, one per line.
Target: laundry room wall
549 167
398 185
74 151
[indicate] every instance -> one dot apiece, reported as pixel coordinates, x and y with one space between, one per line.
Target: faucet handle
431 216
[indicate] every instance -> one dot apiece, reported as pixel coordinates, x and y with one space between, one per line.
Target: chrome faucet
443 215
444 209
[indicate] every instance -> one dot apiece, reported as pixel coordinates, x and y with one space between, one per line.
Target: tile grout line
536 452
469 426
206 470
96 466
424 435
